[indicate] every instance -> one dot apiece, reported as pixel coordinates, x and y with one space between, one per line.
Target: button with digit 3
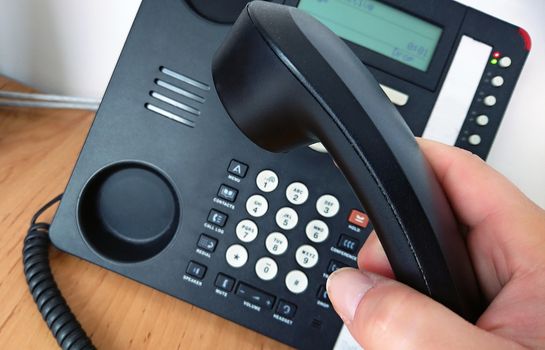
266 268
297 193
317 231
327 205
267 180
257 205
246 230
276 243
236 255
306 256
286 218
296 281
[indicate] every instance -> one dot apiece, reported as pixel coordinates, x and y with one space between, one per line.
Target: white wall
71 46
63 46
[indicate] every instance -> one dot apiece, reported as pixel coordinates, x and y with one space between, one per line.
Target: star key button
236 256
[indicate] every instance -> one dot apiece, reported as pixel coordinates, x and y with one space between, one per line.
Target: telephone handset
287 80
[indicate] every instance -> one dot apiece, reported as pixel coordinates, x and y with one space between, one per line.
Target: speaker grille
177 96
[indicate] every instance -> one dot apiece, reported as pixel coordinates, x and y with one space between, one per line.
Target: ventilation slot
179 97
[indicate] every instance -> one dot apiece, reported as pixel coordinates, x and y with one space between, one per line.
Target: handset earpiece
287 80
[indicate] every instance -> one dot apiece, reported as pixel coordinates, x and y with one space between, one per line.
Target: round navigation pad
128 212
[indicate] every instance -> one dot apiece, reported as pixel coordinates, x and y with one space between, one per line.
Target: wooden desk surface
38 149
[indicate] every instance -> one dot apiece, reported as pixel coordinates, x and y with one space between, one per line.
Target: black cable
54 309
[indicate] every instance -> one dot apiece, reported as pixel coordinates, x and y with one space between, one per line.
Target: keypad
266 268
278 218
257 205
297 193
246 230
276 243
236 256
267 181
296 281
286 218
327 205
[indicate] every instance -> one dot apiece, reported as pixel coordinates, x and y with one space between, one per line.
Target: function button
482 120
474 139
286 218
489 100
255 295
334 265
257 205
267 181
297 193
286 309
322 294
237 168
207 243
236 255
497 81
317 231
276 243
227 193
348 244
224 282
246 230
266 268
296 281
327 206
217 218
358 218
306 256
196 270
505 61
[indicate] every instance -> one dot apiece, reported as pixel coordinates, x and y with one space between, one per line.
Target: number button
236 255
317 231
246 230
266 269
267 181
276 243
286 218
306 256
297 193
327 205
296 281
257 205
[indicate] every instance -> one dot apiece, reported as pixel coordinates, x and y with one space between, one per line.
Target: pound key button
348 244
286 309
224 282
196 270
255 295
237 168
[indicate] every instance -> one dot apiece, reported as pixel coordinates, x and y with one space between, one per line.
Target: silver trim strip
179 91
175 103
169 115
185 79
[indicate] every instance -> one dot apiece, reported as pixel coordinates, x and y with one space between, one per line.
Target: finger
373 258
384 314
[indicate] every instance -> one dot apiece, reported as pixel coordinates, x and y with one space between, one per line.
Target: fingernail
346 288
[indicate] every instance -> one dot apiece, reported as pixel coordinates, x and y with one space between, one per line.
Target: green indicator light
493 61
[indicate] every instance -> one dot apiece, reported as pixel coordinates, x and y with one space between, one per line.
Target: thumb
384 314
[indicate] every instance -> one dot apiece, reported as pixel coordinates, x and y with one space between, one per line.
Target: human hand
506 243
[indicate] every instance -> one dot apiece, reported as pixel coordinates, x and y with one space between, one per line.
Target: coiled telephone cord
55 311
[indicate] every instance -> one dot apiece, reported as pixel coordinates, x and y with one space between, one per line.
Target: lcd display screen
380 28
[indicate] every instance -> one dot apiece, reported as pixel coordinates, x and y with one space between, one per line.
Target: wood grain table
38 149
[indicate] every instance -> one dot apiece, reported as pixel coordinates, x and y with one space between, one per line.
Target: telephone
171 190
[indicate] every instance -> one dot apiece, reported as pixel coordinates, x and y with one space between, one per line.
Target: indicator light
496 54
493 61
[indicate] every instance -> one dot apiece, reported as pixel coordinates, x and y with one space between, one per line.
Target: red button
358 218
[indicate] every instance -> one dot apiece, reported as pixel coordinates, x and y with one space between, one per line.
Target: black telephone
168 190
